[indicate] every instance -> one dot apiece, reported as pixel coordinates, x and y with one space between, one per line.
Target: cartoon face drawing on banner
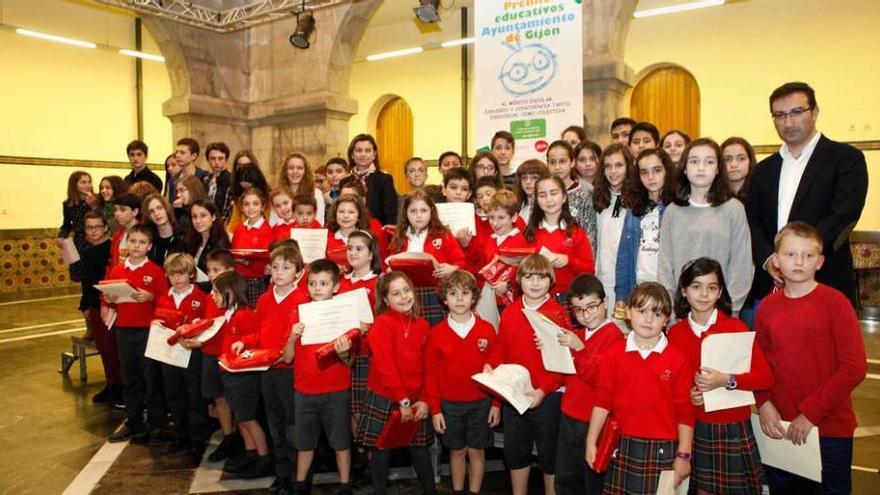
529 69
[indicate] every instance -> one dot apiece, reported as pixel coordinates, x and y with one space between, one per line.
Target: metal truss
221 21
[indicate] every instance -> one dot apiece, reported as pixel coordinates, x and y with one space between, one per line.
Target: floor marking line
98 465
42 325
40 335
870 376
9 303
865 469
873 361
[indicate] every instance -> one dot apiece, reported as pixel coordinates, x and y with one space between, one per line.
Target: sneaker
224 450
262 467
125 433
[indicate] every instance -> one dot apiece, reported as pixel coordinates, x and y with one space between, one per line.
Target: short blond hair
506 200
180 263
799 229
535 263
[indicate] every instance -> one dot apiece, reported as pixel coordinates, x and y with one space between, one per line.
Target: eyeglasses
485 168
586 310
795 114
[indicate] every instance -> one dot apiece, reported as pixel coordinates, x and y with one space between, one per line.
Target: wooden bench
80 350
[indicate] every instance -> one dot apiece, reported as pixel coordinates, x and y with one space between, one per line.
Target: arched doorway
394 135
668 97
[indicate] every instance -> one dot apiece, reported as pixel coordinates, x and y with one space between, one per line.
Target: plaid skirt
374 415
726 459
432 309
635 469
255 288
359 382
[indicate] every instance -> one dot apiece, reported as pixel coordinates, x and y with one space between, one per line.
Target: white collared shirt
280 297
659 347
228 314
462 329
340 236
131 266
416 242
499 239
354 278
535 307
589 333
699 329
552 228
282 221
259 223
178 298
790 178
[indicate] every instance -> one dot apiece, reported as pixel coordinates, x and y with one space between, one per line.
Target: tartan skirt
374 415
359 382
255 288
726 459
635 469
432 309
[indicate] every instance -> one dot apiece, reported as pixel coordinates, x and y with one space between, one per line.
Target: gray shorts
467 424
312 412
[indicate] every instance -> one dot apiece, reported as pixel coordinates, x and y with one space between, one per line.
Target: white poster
529 72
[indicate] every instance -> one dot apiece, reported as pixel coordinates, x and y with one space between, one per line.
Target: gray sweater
720 233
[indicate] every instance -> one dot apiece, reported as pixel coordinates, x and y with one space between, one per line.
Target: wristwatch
731 383
405 403
685 456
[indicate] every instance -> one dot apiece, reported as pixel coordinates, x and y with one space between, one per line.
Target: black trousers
573 475
183 393
380 465
277 388
141 378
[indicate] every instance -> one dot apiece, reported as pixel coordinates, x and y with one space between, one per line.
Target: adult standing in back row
812 179
363 156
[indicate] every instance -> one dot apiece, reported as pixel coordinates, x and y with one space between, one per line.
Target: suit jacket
830 196
144 175
382 198
224 180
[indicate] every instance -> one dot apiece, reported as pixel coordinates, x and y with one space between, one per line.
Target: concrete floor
50 431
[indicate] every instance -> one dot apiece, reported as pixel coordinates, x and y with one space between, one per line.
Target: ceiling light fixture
395 53
463 41
144 55
702 4
57 39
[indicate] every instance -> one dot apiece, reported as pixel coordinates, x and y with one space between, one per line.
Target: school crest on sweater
196 304
438 243
148 279
482 344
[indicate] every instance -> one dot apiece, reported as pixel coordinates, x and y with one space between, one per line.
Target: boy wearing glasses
595 334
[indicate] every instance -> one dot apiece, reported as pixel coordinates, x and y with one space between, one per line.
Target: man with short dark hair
137 156
187 152
812 179
620 130
218 180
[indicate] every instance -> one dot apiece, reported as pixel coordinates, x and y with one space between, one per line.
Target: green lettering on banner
528 129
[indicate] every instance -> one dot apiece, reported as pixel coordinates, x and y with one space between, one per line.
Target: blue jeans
836 472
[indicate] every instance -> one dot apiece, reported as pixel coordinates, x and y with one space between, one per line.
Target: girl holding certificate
347 215
726 456
253 234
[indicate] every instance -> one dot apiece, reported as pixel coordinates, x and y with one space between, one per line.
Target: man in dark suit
812 179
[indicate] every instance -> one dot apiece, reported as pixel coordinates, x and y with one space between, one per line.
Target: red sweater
397 368
252 238
490 247
759 378
346 285
277 319
474 251
516 343
580 389
450 361
214 346
444 248
243 326
313 377
192 306
117 250
577 248
815 349
149 277
630 386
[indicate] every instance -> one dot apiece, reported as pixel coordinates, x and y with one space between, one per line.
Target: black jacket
146 175
224 180
382 198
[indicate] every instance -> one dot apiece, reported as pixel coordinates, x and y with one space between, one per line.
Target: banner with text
529 72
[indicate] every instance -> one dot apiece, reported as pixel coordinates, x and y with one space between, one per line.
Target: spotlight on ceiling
305 27
427 11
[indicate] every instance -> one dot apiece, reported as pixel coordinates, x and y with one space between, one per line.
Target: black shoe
224 450
125 432
302 488
262 467
159 437
237 464
105 396
344 489
279 484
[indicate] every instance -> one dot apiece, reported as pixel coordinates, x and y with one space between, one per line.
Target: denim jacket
628 254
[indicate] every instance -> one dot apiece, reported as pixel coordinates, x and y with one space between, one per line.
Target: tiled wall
31 266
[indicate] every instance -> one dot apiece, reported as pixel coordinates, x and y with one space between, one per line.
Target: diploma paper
457 216
211 332
201 276
158 348
802 460
324 321
69 253
728 353
556 357
358 301
312 243
510 381
119 288
667 484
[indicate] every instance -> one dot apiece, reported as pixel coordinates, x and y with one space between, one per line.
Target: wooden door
394 135
668 98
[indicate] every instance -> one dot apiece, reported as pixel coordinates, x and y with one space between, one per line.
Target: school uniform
281 229
454 353
516 345
575 245
726 458
631 381
361 366
337 248
212 382
257 236
200 253
474 251
816 363
183 388
242 390
94 265
277 314
118 250
141 376
573 475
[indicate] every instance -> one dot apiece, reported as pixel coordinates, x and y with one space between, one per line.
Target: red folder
339 256
513 255
389 230
499 271
250 360
606 445
170 318
326 354
419 271
397 433
251 254
190 330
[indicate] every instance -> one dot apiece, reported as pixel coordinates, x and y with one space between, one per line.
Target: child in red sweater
645 373
141 377
726 458
419 230
347 215
305 210
126 211
242 390
516 345
595 334
809 322
322 397
353 186
552 227
397 369
254 233
502 218
457 349
282 204
277 311
183 389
